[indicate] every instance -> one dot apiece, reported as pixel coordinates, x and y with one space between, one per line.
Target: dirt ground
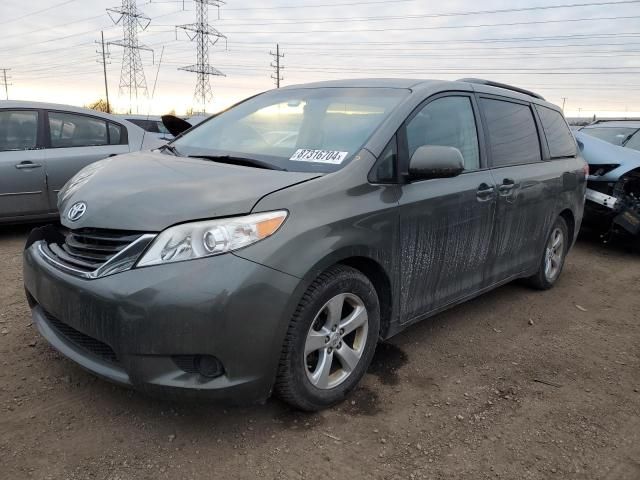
517 384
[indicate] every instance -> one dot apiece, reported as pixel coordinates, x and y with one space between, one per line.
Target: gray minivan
274 245
43 145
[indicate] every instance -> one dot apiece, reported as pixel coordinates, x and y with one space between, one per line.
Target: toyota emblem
76 211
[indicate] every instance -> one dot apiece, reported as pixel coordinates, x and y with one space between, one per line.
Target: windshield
634 142
615 135
302 130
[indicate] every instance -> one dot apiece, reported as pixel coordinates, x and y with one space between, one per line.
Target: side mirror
434 161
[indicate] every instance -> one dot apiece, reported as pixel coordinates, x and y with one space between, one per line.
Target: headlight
212 237
600 169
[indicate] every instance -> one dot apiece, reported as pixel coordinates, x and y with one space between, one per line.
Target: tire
545 278
320 365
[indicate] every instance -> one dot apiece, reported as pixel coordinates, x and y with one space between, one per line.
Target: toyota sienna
273 246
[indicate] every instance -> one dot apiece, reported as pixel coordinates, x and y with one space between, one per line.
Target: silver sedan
43 145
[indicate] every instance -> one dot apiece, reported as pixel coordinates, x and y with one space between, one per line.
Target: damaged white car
612 149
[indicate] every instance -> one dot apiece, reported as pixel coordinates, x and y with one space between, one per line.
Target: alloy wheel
336 341
554 254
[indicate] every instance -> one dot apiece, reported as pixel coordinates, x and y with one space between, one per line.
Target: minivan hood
150 191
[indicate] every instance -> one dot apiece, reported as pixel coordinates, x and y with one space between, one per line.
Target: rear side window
447 122
559 137
513 136
115 134
148 125
18 130
72 130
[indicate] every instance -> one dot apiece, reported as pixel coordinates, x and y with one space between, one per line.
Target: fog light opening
208 366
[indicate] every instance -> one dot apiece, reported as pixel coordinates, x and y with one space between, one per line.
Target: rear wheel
330 341
553 257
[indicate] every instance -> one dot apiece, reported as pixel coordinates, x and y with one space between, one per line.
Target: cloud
578 53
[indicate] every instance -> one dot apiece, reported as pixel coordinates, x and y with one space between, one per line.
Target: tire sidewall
344 282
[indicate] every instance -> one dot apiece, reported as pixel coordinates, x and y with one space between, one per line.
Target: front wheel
330 341
553 257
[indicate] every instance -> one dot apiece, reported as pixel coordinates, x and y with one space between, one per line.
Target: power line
40 30
52 7
276 65
445 27
205 35
481 12
461 40
393 47
11 50
48 67
342 20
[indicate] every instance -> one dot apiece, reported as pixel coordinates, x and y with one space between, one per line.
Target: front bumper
613 210
227 307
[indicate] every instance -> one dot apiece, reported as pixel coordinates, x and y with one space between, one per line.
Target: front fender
331 218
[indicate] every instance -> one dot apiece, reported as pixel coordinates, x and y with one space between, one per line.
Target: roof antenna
153 95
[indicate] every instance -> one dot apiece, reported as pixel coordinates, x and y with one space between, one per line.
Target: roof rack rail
481 81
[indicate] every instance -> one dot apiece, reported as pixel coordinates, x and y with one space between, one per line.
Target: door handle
27 165
507 186
485 192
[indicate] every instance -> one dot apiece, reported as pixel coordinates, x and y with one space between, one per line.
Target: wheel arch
568 217
370 265
381 282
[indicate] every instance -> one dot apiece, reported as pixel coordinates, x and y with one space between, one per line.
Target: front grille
79 339
88 249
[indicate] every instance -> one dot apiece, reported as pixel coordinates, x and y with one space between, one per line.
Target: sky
583 53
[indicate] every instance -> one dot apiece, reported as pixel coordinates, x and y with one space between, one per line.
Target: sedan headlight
212 237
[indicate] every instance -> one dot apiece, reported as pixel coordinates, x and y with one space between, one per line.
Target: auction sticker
319 156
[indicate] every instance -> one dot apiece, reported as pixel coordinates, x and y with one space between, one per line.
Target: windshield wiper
171 148
628 137
246 162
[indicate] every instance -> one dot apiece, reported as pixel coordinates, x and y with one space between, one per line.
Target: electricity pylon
205 36
132 75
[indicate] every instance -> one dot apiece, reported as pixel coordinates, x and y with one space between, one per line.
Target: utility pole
205 36
276 65
104 62
132 75
564 99
5 81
